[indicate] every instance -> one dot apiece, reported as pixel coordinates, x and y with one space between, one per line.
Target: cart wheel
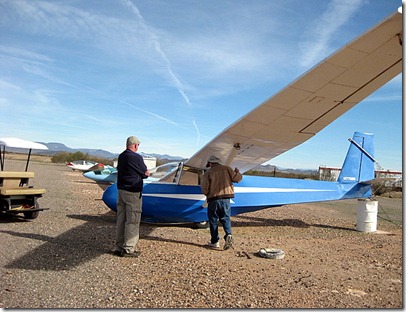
31 214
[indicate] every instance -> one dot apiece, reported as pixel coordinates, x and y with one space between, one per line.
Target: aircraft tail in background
359 163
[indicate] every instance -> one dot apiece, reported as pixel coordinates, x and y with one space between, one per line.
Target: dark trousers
219 209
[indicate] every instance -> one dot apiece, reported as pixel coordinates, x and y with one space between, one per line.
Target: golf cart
16 196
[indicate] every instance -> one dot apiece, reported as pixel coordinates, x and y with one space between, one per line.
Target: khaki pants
129 208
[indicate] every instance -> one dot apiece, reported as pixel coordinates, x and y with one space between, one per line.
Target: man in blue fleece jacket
131 170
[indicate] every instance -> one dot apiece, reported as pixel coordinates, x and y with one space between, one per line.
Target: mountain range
54 148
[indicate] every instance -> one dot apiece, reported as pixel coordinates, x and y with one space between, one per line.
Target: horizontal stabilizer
379 180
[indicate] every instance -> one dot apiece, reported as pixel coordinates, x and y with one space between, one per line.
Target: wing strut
362 149
232 154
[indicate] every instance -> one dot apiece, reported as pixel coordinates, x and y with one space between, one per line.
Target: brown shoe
118 253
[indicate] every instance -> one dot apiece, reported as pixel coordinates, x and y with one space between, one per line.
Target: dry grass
23 157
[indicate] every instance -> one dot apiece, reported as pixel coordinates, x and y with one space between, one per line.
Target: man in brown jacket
217 185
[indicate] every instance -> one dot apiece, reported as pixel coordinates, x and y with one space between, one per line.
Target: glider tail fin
359 163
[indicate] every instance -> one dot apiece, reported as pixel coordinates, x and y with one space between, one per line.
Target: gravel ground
62 260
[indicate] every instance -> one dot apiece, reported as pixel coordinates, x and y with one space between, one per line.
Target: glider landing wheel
201 225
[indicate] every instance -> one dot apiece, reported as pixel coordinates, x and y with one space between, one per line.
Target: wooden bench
21 191
16 183
14 179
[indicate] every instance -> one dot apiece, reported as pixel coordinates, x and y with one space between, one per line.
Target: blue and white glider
108 174
102 174
177 197
285 120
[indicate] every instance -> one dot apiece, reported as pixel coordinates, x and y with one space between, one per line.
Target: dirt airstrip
62 260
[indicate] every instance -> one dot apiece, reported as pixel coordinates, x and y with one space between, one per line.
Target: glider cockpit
176 173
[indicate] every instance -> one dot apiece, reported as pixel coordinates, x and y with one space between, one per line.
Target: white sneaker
215 245
229 242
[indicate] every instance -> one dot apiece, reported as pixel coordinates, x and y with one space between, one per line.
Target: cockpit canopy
175 172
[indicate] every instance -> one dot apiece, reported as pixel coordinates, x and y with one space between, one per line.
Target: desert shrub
65 157
382 188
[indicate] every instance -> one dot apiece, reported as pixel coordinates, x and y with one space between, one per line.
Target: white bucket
367 215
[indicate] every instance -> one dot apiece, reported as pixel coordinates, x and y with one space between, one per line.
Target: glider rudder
359 163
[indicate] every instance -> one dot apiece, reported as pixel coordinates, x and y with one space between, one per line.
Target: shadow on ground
72 248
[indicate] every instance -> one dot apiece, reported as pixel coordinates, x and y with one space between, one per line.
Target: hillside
54 148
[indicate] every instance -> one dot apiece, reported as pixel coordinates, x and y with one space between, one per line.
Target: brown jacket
217 182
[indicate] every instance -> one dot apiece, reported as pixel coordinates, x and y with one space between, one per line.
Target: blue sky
89 74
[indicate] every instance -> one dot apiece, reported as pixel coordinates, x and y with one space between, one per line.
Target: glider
287 119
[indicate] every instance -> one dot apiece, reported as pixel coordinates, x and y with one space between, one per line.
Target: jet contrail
322 30
178 84
158 49
198 133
